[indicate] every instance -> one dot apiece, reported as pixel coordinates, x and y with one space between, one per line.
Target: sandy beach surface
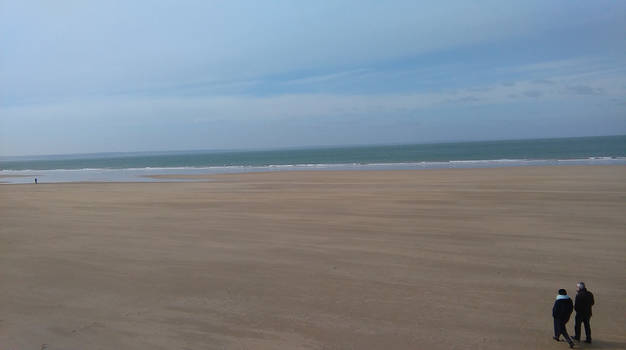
430 259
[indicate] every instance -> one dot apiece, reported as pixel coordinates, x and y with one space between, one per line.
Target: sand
10 176
431 259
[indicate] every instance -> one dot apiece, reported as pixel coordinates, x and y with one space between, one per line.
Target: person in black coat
584 302
561 312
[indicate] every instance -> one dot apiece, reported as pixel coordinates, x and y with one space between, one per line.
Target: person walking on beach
561 312
35 181
583 304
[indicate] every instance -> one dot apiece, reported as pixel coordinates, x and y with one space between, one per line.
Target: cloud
533 93
94 65
111 47
199 108
585 90
322 78
469 99
543 82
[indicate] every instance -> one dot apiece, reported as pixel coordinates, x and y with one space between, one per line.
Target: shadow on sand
601 344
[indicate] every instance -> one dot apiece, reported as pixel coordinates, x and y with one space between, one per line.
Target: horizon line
261 149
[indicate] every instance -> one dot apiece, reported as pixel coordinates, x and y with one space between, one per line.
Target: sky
115 76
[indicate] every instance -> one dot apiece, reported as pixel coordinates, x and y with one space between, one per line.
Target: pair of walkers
562 310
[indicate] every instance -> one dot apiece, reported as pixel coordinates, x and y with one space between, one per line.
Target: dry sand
439 259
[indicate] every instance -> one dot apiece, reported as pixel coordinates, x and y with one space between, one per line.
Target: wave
331 165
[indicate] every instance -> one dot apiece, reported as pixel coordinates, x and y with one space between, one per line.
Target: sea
136 166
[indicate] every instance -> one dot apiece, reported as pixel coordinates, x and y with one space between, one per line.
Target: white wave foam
422 164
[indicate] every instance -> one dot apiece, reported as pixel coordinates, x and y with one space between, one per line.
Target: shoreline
188 174
346 172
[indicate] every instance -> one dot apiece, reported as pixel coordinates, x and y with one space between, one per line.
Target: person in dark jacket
561 312
584 302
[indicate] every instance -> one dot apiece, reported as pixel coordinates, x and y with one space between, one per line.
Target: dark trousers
582 319
559 328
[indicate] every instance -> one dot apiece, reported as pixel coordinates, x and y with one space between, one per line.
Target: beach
415 259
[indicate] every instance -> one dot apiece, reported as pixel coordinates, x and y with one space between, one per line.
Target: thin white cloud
76 48
293 106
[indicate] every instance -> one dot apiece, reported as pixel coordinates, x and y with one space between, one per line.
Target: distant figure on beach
561 312
584 302
35 181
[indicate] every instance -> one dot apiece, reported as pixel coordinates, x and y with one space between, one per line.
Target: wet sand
427 259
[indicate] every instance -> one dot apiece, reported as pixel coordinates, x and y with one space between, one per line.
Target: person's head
580 285
562 291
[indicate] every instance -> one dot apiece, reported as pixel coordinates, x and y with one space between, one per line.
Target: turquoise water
540 149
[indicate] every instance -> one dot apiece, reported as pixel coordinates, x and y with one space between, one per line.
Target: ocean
134 166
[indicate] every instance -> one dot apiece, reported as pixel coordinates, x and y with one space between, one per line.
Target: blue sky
81 76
